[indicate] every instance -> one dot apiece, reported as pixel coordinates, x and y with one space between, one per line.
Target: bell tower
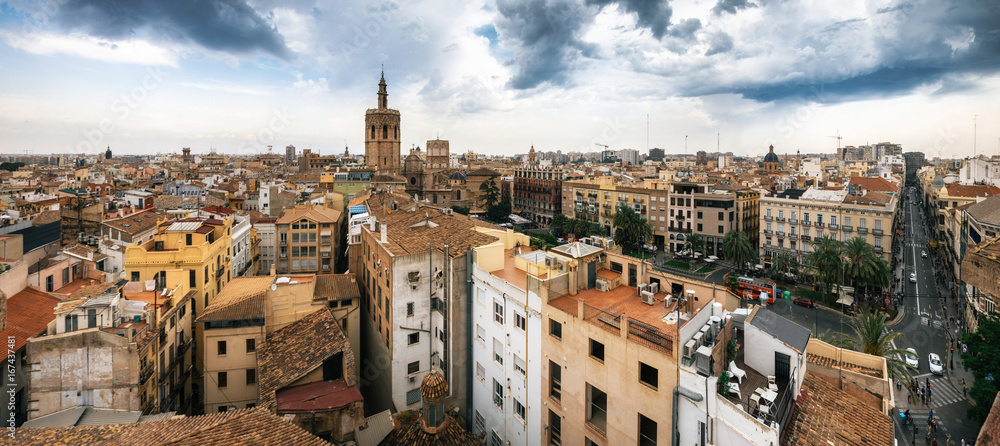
382 140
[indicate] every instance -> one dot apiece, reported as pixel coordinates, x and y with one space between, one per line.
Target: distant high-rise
187 154
656 154
107 154
290 154
382 134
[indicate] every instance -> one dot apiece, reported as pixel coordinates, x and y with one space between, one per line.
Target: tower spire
383 93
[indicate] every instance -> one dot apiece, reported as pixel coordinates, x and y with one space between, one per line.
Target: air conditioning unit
413 379
647 298
697 338
667 300
654 287
549 261
642 287
689 348
602 286
707 334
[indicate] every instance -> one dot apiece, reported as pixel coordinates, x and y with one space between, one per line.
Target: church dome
434 386
457 176
770 158
938 181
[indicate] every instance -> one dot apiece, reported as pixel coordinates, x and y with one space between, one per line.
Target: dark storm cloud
731 6
229 26
685 29
546 37
651 14
719 43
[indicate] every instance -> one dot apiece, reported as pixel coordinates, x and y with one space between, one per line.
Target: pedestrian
965 390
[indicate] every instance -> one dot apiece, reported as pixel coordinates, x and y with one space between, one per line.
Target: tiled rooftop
28 314
241 299
294 351
826 415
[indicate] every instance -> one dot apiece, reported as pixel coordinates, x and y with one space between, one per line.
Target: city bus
750 288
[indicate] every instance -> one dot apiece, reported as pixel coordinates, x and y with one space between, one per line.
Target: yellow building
192 251
308 239
596 200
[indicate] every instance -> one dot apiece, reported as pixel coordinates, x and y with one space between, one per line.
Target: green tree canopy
871 337
782 264
631 230
737 248
825 259
489 193
983 359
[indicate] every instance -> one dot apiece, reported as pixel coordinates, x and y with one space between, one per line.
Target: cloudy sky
496 76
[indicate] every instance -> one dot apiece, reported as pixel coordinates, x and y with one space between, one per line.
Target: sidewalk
957 373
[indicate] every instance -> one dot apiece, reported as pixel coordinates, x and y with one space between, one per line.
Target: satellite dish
274 287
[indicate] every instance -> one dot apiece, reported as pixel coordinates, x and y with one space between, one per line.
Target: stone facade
382 134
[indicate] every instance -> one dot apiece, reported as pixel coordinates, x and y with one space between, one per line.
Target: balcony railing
806 222
792 236
806 238
768 232
819 224
220 272
793 220
768 218
878 249
781 218
145 373
877 231
848 228
862 230
781 233
833 226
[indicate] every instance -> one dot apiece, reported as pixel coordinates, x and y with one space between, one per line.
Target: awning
357 209
845 299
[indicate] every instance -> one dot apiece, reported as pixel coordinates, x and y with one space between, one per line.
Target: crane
606 147
838 137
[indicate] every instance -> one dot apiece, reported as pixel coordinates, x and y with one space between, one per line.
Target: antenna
975 134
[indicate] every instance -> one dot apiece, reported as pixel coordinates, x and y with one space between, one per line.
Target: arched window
385 132
413 180
373 132
458 194
395 132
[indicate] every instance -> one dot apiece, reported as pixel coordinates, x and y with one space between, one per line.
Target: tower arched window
373 132
395 132
385 131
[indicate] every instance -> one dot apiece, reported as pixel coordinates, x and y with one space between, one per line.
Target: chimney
371 221
385 231
274 270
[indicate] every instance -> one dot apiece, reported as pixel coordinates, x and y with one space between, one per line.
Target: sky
497 77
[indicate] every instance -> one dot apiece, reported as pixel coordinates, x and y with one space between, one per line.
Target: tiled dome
434 386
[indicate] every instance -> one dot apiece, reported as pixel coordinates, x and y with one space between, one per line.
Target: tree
559 222
737 248
11 167
489 193
871 337
783 264
498 212
983 359
460 209
694 243
860 262
825 259
631 230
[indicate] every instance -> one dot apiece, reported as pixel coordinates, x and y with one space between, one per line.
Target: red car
804 301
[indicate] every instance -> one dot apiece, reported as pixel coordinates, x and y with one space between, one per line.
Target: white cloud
124 51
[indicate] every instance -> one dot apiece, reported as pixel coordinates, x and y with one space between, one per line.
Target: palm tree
631 229
825 259
871 337
737 248
859 261
783 264
694 243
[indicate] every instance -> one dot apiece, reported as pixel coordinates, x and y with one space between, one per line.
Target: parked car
911 358
935 363
913 277
923 254
804 301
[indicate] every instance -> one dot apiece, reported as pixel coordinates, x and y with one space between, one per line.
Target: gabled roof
986 211
874 183
294 351
971 190
792 334
241 299
28 314
336 287
254 426
315 213
824 414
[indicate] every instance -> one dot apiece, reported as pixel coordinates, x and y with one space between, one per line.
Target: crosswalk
942 392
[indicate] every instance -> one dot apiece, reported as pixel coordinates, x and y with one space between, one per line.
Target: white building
242 244
630 156
506 348
979 171
267 234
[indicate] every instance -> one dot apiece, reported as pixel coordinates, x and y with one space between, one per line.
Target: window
480 421
409 309
498 351
135 276
649 375
597 350
519 321
480 333
71 322
65 275
647 431
833 219
519 365
699 215
412 338
223 408
498 394
251 376
597 408
699 227
781 213
555 428
222 379
189 238
192 279
721 231
412 397
480 371
222 347
702 433
498 312
49 286
251 345
555 381
878 225
555 329
767 212
878 242
495 439
863 224
413 367
518 410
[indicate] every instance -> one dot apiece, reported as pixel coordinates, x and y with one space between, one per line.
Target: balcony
283 242
768 218
680 230
862 230
768 232
680 216
781 218
793 220
806 222
877 231
833 226
806 238
792 236
220 272
819 224
878 249
848 228
781 233
145 372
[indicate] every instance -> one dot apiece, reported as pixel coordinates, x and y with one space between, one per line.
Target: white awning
845 299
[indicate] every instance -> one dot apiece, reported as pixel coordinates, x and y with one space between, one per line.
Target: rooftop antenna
975 128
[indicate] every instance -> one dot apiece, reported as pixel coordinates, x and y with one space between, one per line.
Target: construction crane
606 147
838 137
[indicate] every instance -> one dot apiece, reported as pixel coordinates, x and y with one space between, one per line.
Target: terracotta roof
434 386
218 210
294 351
874 183
28 314
137 222
972 190
457 230
870 197
318 214
336 287
254 426
46 217
449 433
824 414
241 299
317 396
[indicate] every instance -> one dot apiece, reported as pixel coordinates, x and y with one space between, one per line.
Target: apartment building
246 244
506 350
792 218
308 239
980 269
413 268
193 252
609 346
538 192
347 181
597 199
710 211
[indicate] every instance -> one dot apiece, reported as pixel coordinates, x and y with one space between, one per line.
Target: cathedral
426 175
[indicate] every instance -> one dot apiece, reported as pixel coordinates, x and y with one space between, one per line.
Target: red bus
750 288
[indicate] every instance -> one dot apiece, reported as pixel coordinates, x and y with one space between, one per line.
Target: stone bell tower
382 148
